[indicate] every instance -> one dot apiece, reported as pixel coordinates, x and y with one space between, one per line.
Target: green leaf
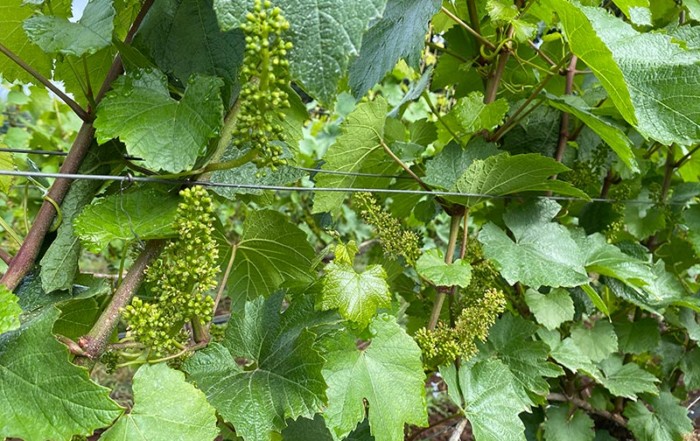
305 429
597 342
608 260
640 72
13 13
271 251
166 407
570 355
357 296
183 38
357 149
636 10
690 365
543 253
448 165
639 336
611 134
86 36
511 341
263 373
562 425
691 218
626 380
167 134
528 172
551 310
469 116
77 318
432 266
44 396
485 392
9 310
6 163
128 217
668 421
387 371
400 33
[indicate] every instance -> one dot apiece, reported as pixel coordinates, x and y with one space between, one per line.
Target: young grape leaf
448 165
358 149
597 342
432 266
271 251
400 33
511 341
127 216
626 380
357 296
668 421
9 310
469 116
551 310
86 36
562 425
167 134
543 253
64 402
387 372
528 172
485 392
264 372
640 71
166 407
183 38
13 13
567 353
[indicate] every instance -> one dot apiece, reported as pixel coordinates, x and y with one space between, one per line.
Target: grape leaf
469 116
690 364
44 396
86 36
667 422
166 407
357 296
448 165
127 216
263 373
77 317
504 174
13 13
485 392
543 253
6 163
567 353
183 38
597 342
551 310
166 134
651 79
400 33
388 373
432 266
560 425
608 260
305 429
9 310
357 149
636 10
639 336
270 251
626 380
511 341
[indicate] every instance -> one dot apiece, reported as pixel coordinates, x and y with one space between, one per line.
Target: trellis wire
179 182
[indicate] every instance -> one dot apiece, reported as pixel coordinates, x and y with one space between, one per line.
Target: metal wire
154 179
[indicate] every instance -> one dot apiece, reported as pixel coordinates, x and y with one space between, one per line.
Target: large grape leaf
485 392
596 342
667 422
400 33
183 38
86 36
44 396
543 253
653 81
325 34
12 16
562 424
504 174
166 407
387 372
357 296
469 116
264 372
9 310
271 251
444 170
129 217
626 380
167 134
357 149
552 309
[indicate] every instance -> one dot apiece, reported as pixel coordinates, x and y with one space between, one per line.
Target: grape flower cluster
264 75
180 279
